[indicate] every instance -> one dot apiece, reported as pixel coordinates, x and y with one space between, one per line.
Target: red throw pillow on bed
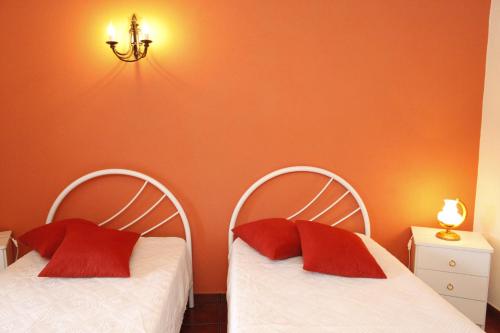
47 238
336 251
92 252
275 238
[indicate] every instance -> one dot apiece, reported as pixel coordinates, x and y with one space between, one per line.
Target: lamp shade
450 215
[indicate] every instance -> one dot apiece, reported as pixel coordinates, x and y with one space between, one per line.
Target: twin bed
279 296
263 295
153 299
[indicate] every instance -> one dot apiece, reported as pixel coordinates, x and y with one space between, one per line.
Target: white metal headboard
331 178
147 180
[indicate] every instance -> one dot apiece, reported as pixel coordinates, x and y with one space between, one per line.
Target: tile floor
210 316
492 320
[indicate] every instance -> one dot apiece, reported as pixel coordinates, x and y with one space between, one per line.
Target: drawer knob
452 263
450 287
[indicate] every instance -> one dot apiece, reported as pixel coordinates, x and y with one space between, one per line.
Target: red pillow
336 251
47 238
275 238
92 252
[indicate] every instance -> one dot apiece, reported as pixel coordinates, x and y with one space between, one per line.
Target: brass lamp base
448 235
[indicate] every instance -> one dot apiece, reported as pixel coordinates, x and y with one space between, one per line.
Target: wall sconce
139 41
449 218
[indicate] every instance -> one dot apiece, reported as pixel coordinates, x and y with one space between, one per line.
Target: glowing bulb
145 31
111 32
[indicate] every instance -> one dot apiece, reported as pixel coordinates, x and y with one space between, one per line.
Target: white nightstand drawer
474 310
458 285
451 260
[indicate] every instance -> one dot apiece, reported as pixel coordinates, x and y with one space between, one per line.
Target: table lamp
449 218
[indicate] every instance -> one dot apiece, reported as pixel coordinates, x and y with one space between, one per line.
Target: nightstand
457 270
4 242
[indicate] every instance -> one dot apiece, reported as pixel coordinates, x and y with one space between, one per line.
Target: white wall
487 216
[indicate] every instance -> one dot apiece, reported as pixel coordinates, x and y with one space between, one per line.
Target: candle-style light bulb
145 31
111 32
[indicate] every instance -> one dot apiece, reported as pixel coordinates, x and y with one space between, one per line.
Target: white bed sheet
153 299
279 296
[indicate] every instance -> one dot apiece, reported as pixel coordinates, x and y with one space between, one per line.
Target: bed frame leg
191 298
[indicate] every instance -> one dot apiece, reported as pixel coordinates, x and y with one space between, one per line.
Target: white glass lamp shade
449 217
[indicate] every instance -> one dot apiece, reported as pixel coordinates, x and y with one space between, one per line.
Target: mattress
279 296
153 299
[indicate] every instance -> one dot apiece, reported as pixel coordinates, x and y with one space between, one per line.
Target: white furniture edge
454 245
147 180
5 235
332 178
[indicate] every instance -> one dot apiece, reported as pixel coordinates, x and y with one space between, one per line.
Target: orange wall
385 93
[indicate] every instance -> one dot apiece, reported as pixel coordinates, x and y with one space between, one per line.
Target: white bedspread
152 300
279 296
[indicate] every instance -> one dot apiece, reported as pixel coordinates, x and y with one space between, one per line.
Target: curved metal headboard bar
332 177
147 180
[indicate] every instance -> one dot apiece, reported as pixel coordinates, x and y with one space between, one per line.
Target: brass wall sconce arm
138 47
